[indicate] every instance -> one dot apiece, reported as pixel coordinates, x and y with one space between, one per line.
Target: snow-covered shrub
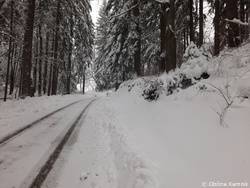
195 64
170 82
175 81
194 68
191 52
152 89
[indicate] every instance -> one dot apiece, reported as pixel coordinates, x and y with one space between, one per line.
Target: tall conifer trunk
51 66
40 64
233 31
191 20
9 53
163 14
27 50
247 19
45 73
68 84
201 23
55 64
217 28
171 39
137 53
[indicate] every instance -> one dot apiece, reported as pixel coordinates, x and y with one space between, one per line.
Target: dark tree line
46 45
228 32
142 37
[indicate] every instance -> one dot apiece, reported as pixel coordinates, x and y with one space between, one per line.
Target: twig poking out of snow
227 99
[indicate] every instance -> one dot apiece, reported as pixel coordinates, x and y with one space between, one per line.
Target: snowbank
128 168
198 135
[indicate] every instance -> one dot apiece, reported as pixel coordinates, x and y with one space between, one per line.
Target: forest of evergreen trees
146 37
46 45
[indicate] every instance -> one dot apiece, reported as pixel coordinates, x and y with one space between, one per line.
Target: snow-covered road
99 155
22 157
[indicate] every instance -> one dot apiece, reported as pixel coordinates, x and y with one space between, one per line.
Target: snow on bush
194 68
196 61
152 89
198 64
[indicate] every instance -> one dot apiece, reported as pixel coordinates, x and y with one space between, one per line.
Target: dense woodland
47 45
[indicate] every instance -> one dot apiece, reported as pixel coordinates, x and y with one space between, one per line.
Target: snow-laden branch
237 21
117 15
162 1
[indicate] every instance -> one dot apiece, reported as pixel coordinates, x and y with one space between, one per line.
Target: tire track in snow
22 129
46 168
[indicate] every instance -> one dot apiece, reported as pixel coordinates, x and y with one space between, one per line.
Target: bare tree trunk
184 40
68 84
36 64
247 19
51 66
9 54
83 82
217 27
27 50
13 70
137 53
201 23
242 18
233 31
40 62
191 21
55 64
171 40
163 14
45 73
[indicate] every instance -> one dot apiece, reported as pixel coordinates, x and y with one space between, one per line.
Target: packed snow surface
15 114
195 137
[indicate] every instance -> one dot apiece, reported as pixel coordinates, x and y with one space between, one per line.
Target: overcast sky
95 4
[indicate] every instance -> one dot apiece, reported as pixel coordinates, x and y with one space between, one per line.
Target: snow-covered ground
177 141
181 134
